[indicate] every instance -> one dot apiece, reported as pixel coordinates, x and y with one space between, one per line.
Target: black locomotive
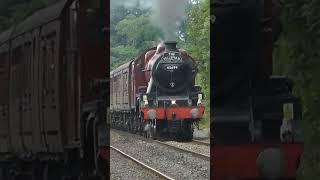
155 94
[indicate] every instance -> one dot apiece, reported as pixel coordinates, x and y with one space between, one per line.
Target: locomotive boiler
256 119
155 94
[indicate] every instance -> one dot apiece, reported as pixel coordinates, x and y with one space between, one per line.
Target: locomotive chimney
170 45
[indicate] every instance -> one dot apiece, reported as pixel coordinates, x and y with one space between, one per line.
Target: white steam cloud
144 4
166 14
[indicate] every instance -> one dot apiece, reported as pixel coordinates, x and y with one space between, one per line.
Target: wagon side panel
4 97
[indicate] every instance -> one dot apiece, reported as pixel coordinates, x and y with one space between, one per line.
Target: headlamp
145 99
199 99
173 102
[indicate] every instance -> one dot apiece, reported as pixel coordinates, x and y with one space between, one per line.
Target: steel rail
195 154
201 142
158 173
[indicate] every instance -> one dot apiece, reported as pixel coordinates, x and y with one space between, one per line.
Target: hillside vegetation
298 56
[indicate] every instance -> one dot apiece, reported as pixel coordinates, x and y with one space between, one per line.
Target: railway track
201 142
193 153
149 168
179 149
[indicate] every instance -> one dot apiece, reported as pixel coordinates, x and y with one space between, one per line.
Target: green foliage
121 54
131 33
138 31
298 57
198 45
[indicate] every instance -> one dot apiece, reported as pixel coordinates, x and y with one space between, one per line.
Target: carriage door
50 87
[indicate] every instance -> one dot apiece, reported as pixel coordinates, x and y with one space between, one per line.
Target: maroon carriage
53 75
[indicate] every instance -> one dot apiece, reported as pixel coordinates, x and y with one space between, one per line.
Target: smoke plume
166 14
143 4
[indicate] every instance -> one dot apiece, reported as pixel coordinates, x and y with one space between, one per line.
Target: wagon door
26 119
20 95
39 143
50 114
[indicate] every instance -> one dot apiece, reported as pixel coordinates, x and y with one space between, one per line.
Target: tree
131 35
138 31
198 44
298 57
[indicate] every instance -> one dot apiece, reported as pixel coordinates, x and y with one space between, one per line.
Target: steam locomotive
256 119
53 93
155 94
